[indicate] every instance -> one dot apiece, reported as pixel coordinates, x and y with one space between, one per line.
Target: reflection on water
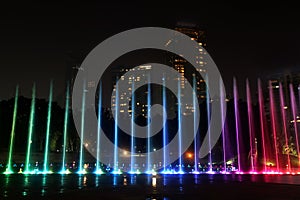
44 185
133 179
115 180
97 181
18 185
62 183
154 182
125 181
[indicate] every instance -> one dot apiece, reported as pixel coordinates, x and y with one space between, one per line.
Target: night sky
250 40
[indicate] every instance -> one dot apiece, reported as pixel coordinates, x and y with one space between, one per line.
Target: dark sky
249 40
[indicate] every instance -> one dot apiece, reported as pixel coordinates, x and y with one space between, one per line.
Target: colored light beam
165 129
250 123
48 129
195 125
30 131
294 112
223 98
132 160
208 123
262 124
81 170
283 115
116 168
179 126
237 117
63 169
12 135
149 126
273 122
98 169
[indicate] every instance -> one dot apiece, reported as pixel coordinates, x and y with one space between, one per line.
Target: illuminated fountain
273 124
66 118
253 150
294 117
30 131
237 124
179 109
208 107
81 170
132 139
98 164
262 123
116 169
48 131
149 164
165 128
196 138
283 115
12 135
222 100
275 116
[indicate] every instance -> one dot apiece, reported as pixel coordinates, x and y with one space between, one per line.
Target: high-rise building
182 66
125 96
186 70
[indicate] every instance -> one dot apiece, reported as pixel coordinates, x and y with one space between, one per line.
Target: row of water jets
266 153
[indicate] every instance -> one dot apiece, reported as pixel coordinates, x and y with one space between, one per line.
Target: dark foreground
150 187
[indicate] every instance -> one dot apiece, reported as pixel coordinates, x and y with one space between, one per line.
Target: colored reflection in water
124 181
97 181
26 185
40 185
115 181
132 180
154 182
44 185
80 182
180 183
7 179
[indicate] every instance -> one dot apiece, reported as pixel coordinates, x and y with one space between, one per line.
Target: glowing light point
20 171
135 172
8 171
99 171
210 172
118 171
83 171
196 172
67 171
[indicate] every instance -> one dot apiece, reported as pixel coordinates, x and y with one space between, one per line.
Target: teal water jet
12 135
81 170
30 131
48 129
63 170
98 169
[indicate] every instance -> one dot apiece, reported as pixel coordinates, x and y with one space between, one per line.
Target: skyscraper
182 66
